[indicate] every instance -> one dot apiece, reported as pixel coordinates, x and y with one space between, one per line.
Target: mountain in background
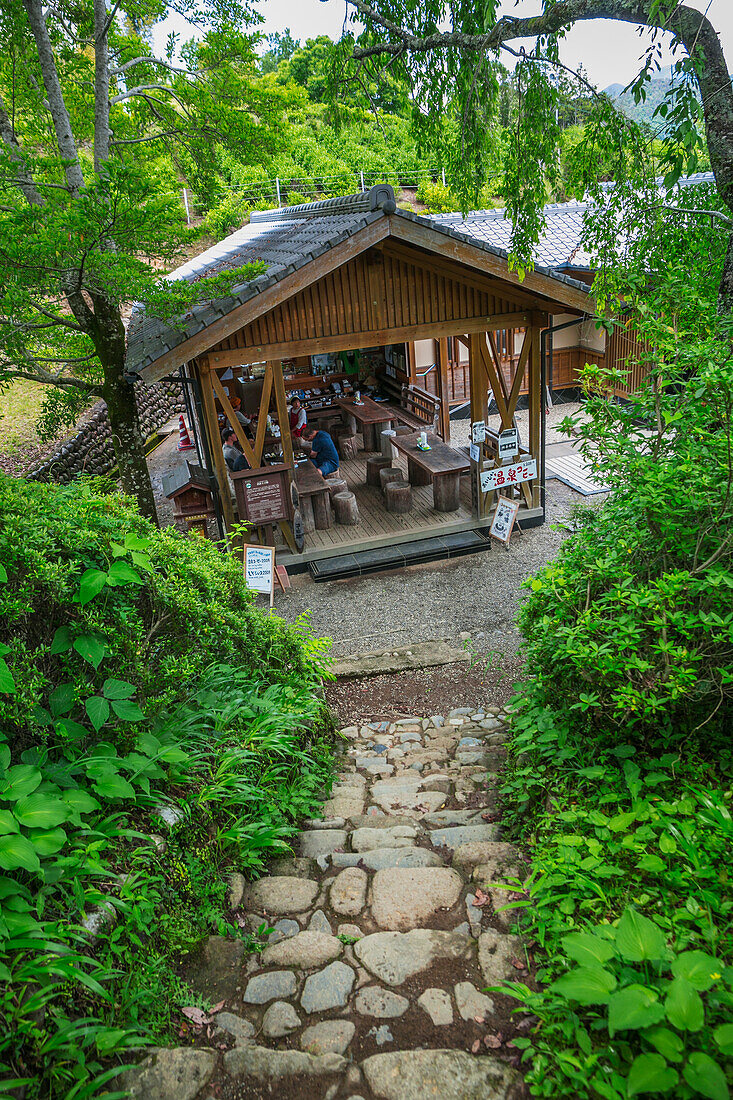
656 90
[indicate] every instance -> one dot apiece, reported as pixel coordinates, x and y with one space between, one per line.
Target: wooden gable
383 295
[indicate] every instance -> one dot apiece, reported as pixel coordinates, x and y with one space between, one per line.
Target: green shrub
135 673
229 214
436 197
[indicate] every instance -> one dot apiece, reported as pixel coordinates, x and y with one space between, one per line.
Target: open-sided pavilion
351 274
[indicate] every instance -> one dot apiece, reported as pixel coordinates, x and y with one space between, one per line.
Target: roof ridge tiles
380 197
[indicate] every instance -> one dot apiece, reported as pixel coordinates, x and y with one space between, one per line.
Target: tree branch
47 378
25 181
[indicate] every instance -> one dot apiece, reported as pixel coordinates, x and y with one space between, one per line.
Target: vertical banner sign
478 431
259 569
508 443
508 475
503 521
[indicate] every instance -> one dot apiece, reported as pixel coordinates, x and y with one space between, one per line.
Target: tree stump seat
347 510
398 496
373 466
388 474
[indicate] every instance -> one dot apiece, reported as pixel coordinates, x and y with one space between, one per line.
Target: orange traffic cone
184 439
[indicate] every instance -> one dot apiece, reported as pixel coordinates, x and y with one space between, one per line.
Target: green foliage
228 214
437 198
137 676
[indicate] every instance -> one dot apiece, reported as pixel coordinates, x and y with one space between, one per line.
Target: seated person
234 458
297 418
241 417
324 455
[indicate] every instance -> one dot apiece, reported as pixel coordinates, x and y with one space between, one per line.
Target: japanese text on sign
259 563
508 443
508 475
504 517
478 431
474 452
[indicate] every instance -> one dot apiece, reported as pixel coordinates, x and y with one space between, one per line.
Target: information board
263 495
259 569
503 521
508 443
508 475
474 452
478 431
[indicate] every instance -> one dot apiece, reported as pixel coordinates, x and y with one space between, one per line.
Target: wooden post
231 416
535 402
478 379
212 427
443 396
281 404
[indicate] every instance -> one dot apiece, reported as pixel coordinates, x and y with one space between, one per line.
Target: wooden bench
417 409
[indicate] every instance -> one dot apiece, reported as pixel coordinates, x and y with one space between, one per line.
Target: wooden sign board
259 569
503 521
478 431
508 475
508 443
263 495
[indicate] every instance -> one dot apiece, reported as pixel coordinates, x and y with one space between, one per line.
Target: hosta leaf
117 689
111 784
47 842
723 1036
16 852
126 710
633 1007
61 640
7 682
651 863
684 1006
90 648
638 938
697 967
81 802
38 811
19 781
668 1043
8 824
98 710
91 584
587 949
706 1077
587 985
650 1073
3 575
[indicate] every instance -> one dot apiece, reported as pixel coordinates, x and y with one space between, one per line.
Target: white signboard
508 475
474 452
259 569
503 521
508 443
478 431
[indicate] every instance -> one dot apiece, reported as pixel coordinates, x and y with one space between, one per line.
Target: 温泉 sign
259 568
508 475
508 443
478 431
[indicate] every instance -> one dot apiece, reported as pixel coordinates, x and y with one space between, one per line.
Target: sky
608 50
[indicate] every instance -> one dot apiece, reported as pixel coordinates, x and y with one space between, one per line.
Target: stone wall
90 450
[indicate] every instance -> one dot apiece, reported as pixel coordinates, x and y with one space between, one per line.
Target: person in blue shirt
324 455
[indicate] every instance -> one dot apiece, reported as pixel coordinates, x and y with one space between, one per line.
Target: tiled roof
284 240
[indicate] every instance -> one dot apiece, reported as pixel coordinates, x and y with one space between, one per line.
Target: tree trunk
725 291
119 395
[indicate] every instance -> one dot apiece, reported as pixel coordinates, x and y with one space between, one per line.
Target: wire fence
291 190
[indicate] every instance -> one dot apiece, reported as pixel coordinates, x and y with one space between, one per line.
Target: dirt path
386 935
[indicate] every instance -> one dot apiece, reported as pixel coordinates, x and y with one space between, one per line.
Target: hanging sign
508 443
503 521
474 452
478 431
508 475
259 569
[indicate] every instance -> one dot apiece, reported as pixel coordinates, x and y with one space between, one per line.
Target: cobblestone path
370 987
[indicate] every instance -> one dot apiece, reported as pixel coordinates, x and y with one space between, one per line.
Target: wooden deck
378 527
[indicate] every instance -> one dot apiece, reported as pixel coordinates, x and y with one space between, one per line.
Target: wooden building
350 286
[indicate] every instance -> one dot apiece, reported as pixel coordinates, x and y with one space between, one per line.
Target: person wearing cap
324 455
244 420
233 457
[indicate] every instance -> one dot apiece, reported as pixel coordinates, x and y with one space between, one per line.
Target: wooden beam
477 378
262 415
266 300
231 416
535 404
377 289
236 357
556 292
212 427
448 269
519 373
495 380
281 405
443 388
411 362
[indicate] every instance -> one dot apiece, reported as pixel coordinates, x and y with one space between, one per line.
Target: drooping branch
48 378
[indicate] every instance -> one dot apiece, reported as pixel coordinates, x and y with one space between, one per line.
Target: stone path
371 982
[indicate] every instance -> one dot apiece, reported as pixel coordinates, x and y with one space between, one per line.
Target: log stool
373 466
346 445
388 450
389 473
347 510
398 496
336 485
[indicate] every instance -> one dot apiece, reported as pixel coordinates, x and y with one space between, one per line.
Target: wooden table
315 500
442 465
371 416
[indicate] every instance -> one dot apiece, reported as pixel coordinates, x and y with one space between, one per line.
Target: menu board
263 495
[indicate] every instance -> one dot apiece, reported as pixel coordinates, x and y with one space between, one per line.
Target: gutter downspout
548 332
